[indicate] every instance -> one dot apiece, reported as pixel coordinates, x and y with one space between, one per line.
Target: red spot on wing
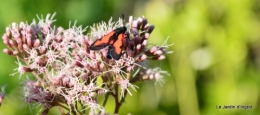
102 42
119 43
117 47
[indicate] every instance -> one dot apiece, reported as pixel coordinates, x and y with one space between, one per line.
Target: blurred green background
216 59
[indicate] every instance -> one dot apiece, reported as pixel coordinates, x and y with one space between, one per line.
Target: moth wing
116 50
102 42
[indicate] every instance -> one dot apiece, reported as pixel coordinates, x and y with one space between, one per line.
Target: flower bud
161 57
15 52
8 32
8 52
36 43
151 28
13 43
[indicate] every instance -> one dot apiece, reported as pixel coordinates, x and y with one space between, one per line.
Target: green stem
106 98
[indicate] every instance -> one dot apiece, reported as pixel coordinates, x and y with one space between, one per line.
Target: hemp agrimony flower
70 75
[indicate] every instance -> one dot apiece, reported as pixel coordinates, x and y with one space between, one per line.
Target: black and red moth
114 41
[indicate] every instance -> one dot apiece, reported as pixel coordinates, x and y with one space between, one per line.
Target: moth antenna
123 18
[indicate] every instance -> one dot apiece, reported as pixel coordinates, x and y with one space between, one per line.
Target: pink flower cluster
73 77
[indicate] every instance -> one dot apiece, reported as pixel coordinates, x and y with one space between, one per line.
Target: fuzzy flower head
69 73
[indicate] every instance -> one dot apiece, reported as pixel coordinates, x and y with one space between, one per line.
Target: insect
114 41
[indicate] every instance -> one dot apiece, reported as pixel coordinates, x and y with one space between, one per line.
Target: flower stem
106 98
116 100
118 103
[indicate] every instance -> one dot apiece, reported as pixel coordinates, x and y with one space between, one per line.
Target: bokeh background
216 59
